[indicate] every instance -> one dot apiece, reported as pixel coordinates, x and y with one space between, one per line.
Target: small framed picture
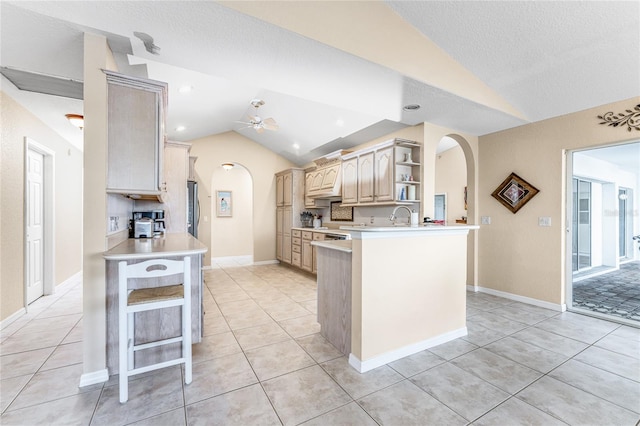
223 203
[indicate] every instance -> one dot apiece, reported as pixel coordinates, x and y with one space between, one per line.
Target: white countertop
324 230
339 245
148 248
405 228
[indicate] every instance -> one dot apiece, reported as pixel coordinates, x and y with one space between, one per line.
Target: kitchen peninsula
153 325
407 287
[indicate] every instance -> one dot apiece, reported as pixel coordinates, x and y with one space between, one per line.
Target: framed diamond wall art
514 192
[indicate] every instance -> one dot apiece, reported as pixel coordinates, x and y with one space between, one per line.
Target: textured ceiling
330 83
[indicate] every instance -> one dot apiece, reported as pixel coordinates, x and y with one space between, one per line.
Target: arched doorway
455 167
232 216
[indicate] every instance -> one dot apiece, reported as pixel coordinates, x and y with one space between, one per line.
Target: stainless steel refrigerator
193 208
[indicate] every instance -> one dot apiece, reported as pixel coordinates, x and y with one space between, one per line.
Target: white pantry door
35 225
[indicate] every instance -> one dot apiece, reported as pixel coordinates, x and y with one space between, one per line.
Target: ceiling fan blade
259 129
270 124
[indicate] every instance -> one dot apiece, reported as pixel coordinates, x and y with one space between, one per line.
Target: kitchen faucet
392 218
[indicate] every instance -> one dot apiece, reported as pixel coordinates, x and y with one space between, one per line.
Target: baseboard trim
523 299
266 262
11 318
233 260
378 361
70 282
94 378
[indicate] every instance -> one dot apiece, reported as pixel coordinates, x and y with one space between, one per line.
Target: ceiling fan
257 123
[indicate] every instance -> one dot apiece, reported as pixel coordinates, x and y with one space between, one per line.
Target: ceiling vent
43 83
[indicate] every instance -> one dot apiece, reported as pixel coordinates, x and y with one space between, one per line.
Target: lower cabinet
303 254
296 248
317 236
307 251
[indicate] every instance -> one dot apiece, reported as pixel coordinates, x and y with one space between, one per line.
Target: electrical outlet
371 220
485 220
544 221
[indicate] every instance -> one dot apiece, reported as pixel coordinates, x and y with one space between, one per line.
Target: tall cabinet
176 173
289 205
135 146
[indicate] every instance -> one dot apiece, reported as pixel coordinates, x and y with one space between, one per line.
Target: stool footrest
157 343
155 366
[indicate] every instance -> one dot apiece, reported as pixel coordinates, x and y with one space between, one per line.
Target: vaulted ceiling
337 74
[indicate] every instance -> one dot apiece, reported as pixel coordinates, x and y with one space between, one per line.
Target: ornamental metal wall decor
629 118
514 192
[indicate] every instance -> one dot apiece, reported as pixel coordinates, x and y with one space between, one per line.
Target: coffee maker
147 224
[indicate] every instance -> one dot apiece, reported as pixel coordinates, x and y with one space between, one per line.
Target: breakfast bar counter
153 248
396 291
158 324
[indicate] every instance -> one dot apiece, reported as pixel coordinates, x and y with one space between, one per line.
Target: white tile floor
262 362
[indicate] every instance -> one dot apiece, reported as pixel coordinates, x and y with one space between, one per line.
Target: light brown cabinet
317 236
365 178
136 117
324 182
307 251
176 173
289 205
296 247
279 190
350 181
386 174
383 175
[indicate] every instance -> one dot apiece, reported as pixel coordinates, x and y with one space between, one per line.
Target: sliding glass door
581 224
623 196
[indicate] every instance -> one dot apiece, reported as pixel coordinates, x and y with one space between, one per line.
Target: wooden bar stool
161 296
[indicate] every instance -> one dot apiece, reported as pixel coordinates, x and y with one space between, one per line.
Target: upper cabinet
136 117
350 181
384 174
324 181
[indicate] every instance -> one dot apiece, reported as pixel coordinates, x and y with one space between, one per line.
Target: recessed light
185 89
180 128
295 146
411 107
339 122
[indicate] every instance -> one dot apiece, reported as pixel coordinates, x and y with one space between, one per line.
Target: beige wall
232 236
18 123
97 56
516 255
469 145
451 179
262 164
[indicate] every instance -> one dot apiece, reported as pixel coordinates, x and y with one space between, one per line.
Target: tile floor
614 293
262 362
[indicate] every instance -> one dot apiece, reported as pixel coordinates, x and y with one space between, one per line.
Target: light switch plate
544 221
485 220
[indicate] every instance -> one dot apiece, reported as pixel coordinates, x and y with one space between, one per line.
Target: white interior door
35 225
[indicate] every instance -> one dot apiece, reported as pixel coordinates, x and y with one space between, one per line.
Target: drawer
296 241
296 232
296 248
295 259
318 236
307 235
